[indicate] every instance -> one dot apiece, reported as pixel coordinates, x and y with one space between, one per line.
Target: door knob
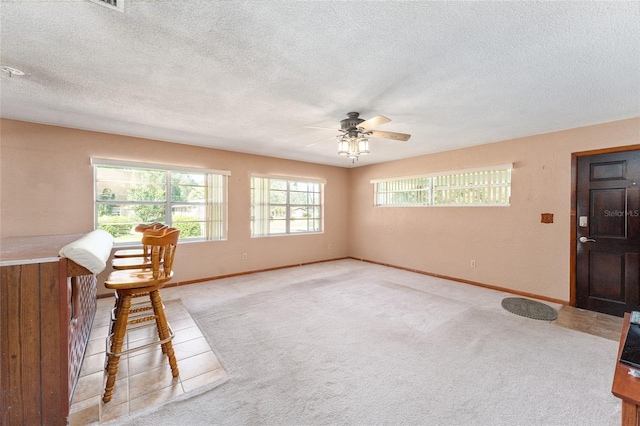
586 240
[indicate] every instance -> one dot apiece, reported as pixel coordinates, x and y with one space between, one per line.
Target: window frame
220 234
445 183
288 205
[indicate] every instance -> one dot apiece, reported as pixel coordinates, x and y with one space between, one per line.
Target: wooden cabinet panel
625 386
41 342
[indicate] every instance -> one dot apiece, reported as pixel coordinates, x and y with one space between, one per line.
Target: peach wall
512 249
46 184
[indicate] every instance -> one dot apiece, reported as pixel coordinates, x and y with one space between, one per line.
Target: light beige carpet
352 343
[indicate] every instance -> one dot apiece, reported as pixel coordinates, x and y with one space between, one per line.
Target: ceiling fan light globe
363 146
343 147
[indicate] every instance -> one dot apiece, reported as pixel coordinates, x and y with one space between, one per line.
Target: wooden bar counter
625 386
47 305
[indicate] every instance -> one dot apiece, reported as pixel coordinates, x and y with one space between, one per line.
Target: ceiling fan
355 132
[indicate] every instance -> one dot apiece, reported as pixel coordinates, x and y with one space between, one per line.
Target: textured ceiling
249 76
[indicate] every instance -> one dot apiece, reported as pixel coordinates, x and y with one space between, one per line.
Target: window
404 192
127 194
490 186
285 206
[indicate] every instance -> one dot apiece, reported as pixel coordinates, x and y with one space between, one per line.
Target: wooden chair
128 283
128 261
140 252
124 263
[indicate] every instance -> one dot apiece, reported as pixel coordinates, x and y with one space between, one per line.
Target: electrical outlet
244 256
473 263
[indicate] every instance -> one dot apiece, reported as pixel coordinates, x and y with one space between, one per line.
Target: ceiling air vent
111 4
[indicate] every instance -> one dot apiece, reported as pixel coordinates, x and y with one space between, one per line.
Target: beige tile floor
590 322
144 378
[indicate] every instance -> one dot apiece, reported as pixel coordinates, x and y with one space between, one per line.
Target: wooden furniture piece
140 252
131 283
124 259
47 305
625 386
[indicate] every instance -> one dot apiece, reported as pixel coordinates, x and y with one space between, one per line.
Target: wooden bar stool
140 252
128 283
128 261
124 263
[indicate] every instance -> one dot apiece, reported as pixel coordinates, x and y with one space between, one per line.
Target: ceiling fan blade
323 140
376 121
389 135
324 128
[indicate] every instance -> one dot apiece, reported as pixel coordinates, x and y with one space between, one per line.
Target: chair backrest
151 226
154 231
163 249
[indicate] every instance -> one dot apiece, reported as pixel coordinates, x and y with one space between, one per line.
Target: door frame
573 244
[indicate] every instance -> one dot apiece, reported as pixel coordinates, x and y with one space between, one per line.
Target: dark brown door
608 232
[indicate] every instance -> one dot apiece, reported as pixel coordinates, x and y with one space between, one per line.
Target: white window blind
487 186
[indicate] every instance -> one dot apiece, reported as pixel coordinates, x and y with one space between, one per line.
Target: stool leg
116 306
120 329
163 331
